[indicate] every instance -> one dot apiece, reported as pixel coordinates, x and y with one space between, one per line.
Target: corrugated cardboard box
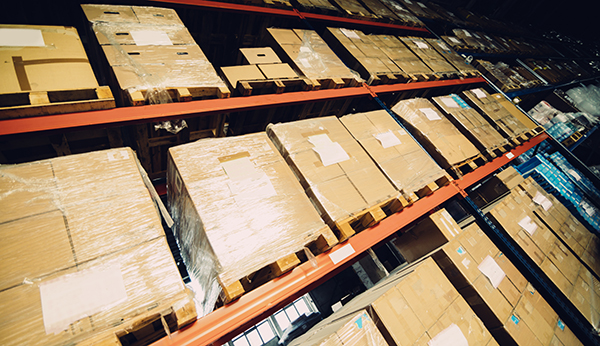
397 154
338 175
402 56
91 227
457 61
441 139
238 209
430 56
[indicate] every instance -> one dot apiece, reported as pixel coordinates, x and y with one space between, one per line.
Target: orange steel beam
227 322
225 6
124 115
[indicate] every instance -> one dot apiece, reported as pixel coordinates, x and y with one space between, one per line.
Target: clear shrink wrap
470 122
237 209
415 306
429 55
439 136
401 55
307 51
336 172
152 54
406 164
453 57
354 8
84 257
405 15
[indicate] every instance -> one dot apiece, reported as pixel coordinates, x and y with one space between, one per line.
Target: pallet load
380 10
46 71
565 268
403 58
263 73
451 150
457 61
415 306
85 259
408 166
511 309
152 56
471 124
306 51
337 174
364 56
318 6
507 78
354 8
421 10
431 57
471 40
403 14
241 217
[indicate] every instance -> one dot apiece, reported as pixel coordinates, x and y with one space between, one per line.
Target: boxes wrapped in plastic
429 55
401 55
442 140
336 172
406 164
457 61
405 15
84 256
238 209
152 54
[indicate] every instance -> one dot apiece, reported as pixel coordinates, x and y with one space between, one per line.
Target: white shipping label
402 132
574 174
542 200
527 224
305 49
387 139
258 187
21 38
350 33
318 140
451 336
151 38
492 271
408 2
510 155
331 154
341 254
449 102
422 4
305 62
241 169
430 113
468 34
479 93
443 46
72 297
421 44
455 40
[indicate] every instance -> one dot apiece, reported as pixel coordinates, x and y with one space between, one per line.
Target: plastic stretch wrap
237 208
415 306
470 121
470 39
380 9
397 154
354 7
587 99
453 58
337 174
318 5
428 54
441 138
72 228
310 54
400 54
405 15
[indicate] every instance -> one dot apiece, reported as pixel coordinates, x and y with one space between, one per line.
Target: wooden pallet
470 74
468 165
270 3
389 78
364 219
323 242
572 139
149 326
447 75
177 94
334 83
35 103
423 77
428 189
273 86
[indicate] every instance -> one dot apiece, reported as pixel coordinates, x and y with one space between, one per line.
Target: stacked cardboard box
338 175
152 56
364 56
470 123
402 13
495 187
306 51
471 39
380 10
402 57
441 139
40 63
397 154
318 6
430 57
415 306
495 112
457 61
562 266
84 256
238 210
419 9
508 305
354 8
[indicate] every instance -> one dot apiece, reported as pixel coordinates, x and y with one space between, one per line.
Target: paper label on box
527 224
387 139
402 132
421 4
408 2
479 93
349 33
151 38
72 297
305 49
341 254
421 44
542 200
487 37
329 152
468 34
451 336
449 102
430 113
319 140
443 46
465 262
10 37
246 182
492 271
574 174
454 39
305 62
510 155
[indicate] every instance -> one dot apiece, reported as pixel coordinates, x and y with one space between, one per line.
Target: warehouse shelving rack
226 322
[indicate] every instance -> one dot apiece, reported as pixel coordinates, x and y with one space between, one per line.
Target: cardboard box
338 175
403 14
401 55
94 228
437 134
429 55
262 55
237 209
397 154
457 61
